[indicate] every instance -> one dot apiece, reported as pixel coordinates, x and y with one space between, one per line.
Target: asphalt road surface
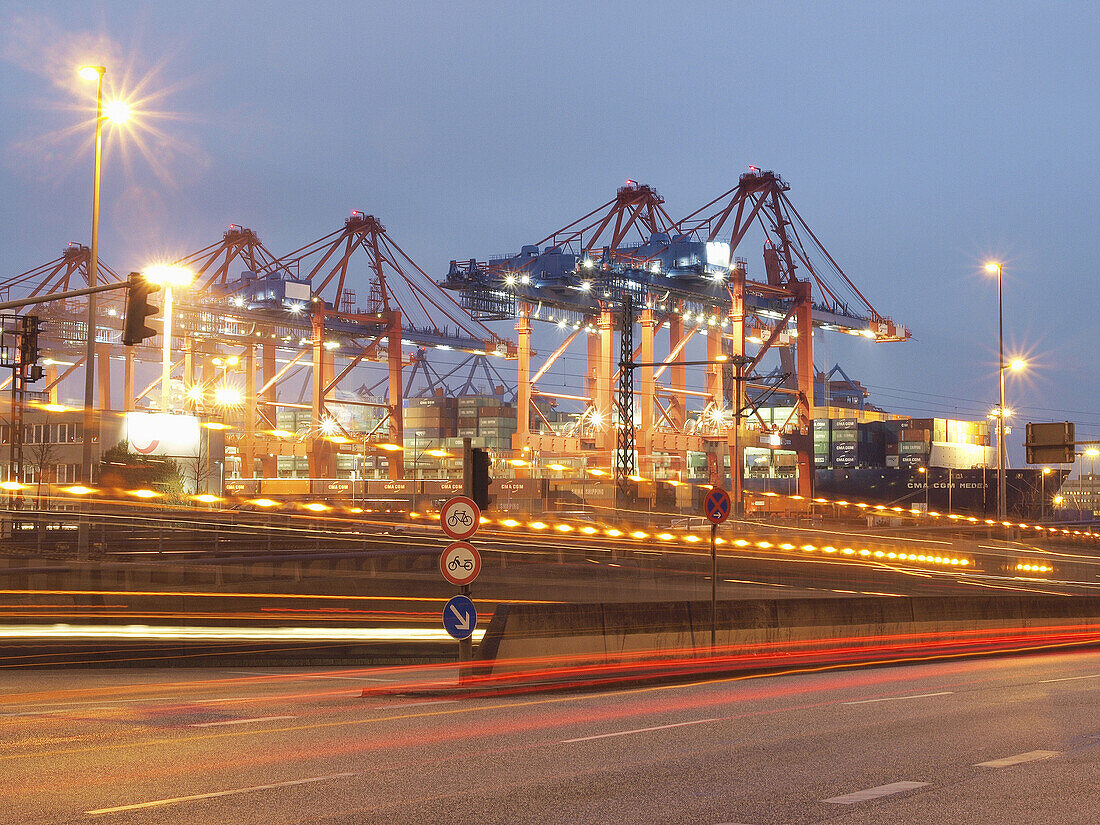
1013 739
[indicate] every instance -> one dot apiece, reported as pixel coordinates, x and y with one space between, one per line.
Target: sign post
716 505
460 563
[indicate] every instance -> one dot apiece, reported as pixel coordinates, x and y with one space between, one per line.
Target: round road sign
460 617
460 563
459 517
717 505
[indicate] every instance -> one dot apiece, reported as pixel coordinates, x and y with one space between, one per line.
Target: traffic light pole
89 366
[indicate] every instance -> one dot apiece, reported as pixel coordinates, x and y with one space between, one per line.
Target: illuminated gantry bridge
686 277
263 339
253 322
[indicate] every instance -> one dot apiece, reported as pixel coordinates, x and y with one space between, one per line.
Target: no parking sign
717 505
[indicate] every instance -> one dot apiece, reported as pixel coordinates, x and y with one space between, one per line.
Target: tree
199 469
44 457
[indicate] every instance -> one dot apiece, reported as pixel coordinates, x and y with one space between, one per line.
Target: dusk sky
919 139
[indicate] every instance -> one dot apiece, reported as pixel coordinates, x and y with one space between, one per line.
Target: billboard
176 436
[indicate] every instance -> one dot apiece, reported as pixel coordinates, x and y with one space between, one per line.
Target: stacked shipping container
846 442
907 443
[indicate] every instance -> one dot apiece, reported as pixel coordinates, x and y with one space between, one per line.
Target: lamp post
1002 497
167 277
92 73
1043 494
115 111
1015 365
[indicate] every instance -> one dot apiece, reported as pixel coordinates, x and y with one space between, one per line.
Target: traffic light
480 477
28 341
138 308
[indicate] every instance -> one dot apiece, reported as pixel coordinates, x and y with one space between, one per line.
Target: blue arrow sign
460 617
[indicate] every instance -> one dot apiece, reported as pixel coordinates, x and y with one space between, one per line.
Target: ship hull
1028 492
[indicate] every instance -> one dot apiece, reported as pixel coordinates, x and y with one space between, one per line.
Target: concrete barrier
602 633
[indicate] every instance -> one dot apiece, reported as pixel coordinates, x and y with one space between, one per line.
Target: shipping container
913 447
498 420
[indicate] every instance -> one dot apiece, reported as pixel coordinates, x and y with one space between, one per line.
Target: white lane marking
896 698
875 793
418 704
1030 756
1069 678
267 696
176 799
636 730
69 705
267 674
239 721
39 712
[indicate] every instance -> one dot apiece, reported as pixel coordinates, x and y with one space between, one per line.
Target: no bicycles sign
459 518
460 563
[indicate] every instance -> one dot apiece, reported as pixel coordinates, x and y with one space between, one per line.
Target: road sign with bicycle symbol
459 517
460 563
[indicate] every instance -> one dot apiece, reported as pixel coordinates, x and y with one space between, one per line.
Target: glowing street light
167 277
227 396
116 111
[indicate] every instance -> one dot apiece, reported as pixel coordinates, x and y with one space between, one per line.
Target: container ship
864 453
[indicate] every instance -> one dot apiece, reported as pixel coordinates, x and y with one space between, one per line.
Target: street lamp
117 112
167 277
92 73
1002 495
1043 490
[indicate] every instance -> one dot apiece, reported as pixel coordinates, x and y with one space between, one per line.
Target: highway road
1012 739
